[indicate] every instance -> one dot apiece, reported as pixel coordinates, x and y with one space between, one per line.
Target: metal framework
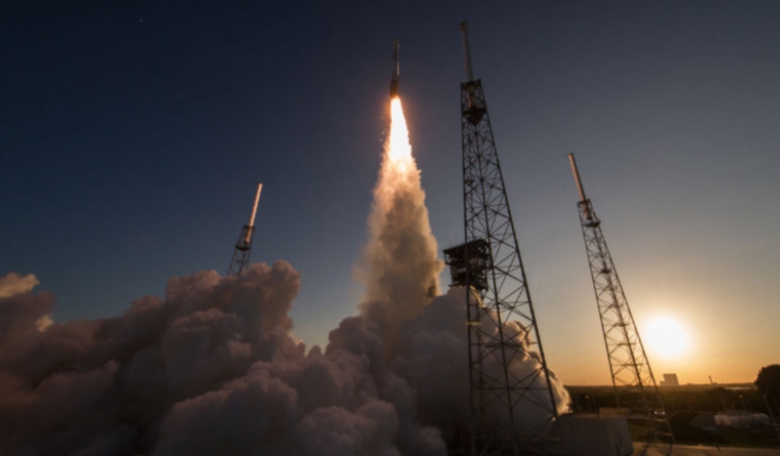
512 407
632 377
243 250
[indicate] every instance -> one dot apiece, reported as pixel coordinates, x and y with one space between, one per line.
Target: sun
666 337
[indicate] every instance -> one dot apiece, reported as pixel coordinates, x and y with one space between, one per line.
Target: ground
701 450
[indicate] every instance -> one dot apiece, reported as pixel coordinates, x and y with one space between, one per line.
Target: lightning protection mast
513 409
243 249
632 377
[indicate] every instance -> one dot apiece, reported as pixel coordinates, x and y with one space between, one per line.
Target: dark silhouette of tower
512 411
243 250
632 377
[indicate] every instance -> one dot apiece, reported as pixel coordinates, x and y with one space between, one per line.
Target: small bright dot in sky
666 337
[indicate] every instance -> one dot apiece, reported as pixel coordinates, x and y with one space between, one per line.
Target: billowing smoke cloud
85 387
14 283
211 367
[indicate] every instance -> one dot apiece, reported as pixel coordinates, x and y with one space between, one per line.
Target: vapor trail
399 267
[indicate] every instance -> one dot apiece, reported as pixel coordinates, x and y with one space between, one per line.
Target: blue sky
133 136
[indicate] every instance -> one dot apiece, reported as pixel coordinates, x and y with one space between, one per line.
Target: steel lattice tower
632 377
243 250
502 327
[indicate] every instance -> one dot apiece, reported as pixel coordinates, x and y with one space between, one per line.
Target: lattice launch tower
512 412
632 377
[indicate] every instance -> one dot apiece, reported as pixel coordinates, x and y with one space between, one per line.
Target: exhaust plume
399 267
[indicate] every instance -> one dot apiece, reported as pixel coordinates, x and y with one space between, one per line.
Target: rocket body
396 72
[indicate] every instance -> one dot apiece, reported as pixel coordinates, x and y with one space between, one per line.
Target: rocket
397 73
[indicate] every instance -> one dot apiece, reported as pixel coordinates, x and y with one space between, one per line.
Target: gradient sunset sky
133 136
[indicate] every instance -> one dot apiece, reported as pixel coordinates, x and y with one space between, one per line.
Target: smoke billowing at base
212 368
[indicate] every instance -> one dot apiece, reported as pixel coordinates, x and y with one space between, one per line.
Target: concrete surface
701 450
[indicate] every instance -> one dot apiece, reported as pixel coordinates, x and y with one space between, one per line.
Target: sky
133 135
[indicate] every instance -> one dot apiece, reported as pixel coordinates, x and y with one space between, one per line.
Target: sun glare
666 337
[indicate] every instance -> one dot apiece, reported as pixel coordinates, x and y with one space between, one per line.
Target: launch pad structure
632 377
511 412
243 250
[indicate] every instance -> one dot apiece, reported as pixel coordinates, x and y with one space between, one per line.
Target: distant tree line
768 383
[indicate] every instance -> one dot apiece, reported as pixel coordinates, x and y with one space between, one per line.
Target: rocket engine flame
399 150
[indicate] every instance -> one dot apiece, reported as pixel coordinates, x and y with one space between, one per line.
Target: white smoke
14 283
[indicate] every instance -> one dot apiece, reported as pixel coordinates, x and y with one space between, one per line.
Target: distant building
670 380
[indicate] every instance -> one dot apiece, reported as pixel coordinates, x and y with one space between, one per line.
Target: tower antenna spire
511 412
254 212
629 366
578 181
243 249
464 28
